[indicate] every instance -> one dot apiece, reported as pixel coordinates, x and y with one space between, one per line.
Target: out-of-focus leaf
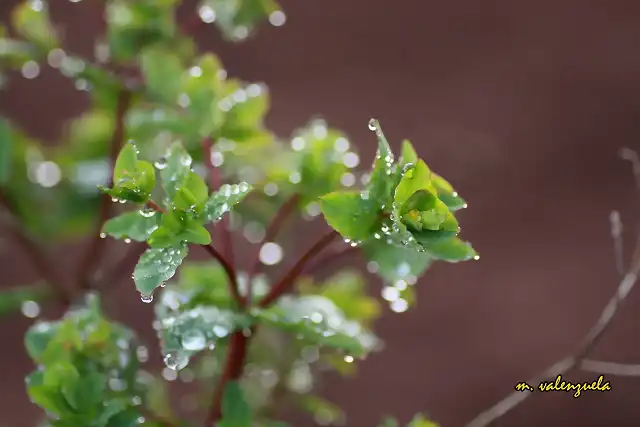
235 410
13 299
31 20
325 412
317 320
236 19
450 250
6 151
394 263
162 71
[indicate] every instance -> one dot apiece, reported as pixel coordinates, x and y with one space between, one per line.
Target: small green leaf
414 179
156 266
46 397
349 214
236 412
450 250
176 167
136 225
223 200
447 194
394 263
384 175
408 155
31 20
145 177
126 163
197 187
196 234
37 339
163 237
162 71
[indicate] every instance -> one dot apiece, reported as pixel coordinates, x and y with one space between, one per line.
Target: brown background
523 106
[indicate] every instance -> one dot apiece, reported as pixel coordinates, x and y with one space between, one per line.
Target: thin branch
153 205
94 252
560 368
215 181
233 369
37 255
228 268
330 258
610 368
287 282
272 231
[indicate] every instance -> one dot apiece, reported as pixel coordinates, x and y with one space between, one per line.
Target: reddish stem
274 227
215 181
233 368
38 256
228 268
287 282
153 205
94 252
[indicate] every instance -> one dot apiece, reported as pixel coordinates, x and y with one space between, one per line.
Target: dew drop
147 212
348 359
176 361
146 298
277 18
30 309
477 257
194 340
103 235
406 168
373 124
207 14
161 163
270 253
127 240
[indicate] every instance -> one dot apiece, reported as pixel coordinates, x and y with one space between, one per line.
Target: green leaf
14 298
31 20
317 320
162 71
145 178
37 339
176 166
322 410
156 266
236 412
196 187
196 234
394 263
164 237
223 200
188 331
349 214
238 19
126 163
415 178
136 225
45 396
420 421
450 250
6 151
447 194
408 155
384 176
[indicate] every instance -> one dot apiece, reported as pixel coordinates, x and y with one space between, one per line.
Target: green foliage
202 137
87 371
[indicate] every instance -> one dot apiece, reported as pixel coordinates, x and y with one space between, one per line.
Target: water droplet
298 143
127 240
207 14
146 298
476 257
373 124
194 340
277 18
103 235
176 361
351 160
220 331
30 309
195 71
243 187
408 167
348 359
399 306
147 212
161 163
30 70
390 293
270 253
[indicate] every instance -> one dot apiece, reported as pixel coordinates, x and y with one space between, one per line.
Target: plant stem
272 230
215 181
233 369
287 282
38 256
94 252
228 268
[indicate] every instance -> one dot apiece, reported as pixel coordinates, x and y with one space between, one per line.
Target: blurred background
521 104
